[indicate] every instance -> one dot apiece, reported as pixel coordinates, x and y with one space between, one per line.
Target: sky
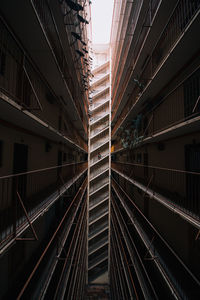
101 20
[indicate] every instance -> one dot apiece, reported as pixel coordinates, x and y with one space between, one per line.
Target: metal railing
153 246
135 259
180 105
181 188
16 79
20 81
56 247
145 28
130 278
180 19
49 25
26 196
81 64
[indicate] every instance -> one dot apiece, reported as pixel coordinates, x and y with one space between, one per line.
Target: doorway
20 162
192 164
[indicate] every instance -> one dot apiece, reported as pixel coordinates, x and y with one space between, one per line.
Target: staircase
99 175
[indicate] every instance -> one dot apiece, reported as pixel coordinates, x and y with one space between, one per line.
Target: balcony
175 277
175 114
27 196
177 35
50 268
138 264
130 51
27 99
175 189
49 54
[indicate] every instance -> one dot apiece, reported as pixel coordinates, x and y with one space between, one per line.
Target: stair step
98 232
97 204
98 218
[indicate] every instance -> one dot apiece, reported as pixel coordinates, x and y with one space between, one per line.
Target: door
192 163
19 184
20 160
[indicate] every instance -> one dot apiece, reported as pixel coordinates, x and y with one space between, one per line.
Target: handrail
31 91
41 170
168 188
45 16
133 252
26 196
145 29
148 226
158 168
81 191
155 59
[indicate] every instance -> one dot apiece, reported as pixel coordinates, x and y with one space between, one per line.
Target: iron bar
164 201
158 168
124 259
137 210
35 94
132 250
82 189
27 216
72 248
181 8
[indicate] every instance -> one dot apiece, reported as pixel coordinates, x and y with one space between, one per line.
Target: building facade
44 82
99 151
155 216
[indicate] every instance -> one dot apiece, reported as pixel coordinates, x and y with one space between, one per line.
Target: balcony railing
134 256
133 287
16 81
183 14
48 22
66 240
20 81
25 196
150 243
80 63
145 28
178 106
179 187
